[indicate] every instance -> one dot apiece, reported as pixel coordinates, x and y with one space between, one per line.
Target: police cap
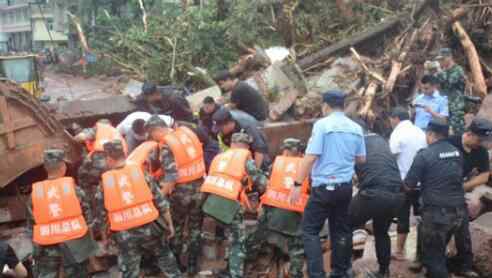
222 116
155 121
333 96
241 138
482 128
52 157
439 126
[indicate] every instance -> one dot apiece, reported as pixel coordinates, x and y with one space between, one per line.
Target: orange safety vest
127 198
227 173
282 182
140 156
188 152
56 211
104 134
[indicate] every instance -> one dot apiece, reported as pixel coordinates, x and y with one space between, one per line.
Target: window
50 23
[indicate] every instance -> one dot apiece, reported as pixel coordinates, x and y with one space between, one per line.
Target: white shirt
125 127
405 141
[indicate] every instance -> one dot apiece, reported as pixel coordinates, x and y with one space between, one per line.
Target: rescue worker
232 173
335 146
130 202
438 169
452 80
183 167
379 196
475 158
279 219
229 122
59 218
94 160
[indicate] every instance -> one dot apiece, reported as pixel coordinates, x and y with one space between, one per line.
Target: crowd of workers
147 184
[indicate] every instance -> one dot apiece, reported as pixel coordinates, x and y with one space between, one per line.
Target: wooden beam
7 122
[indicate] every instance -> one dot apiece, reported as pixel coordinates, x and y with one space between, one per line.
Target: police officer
183 166
231 175
336 144
438 169
379 196
59 219
279 219
131 203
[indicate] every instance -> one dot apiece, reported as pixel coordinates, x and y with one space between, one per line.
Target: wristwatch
297 184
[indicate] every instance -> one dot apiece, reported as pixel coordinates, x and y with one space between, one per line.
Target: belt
334 185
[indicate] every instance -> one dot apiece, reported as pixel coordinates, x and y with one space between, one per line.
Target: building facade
29 25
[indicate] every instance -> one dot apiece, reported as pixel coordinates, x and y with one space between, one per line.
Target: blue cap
333 96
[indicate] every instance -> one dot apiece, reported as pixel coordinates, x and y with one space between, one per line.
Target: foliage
179 40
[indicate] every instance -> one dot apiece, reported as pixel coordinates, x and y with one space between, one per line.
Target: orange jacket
227 173
127 198
56 211
104 134
281 183
140 156
188 152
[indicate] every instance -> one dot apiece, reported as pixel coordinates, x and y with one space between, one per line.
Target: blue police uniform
336 141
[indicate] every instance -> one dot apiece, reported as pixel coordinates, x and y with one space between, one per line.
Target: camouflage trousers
131 253
186 202
438 225
48 267
457 114
236 236
293 245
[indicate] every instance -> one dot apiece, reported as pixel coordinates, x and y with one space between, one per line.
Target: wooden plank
18 125
7 122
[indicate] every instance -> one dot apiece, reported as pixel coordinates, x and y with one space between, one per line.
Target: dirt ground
62 87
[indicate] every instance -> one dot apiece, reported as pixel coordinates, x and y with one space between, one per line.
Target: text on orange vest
282 180
227 173
188 153
127 198
57 212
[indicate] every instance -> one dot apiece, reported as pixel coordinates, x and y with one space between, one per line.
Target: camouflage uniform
236 231
47 259
453 86
147 239
262 235
186 202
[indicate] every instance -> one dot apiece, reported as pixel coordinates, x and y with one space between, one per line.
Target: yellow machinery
23 70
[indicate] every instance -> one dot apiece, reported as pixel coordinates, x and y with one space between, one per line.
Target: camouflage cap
53 156
114 149
292 144
241 138
155 121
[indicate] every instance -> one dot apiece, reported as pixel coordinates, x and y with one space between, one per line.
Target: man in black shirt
209 107
438 169
379 196
243 96
475 158
230 122
167 100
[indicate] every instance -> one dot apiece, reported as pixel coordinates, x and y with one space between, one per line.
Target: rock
474 200
481 234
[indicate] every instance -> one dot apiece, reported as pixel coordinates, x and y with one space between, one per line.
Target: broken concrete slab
196 99
341 75
481 234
